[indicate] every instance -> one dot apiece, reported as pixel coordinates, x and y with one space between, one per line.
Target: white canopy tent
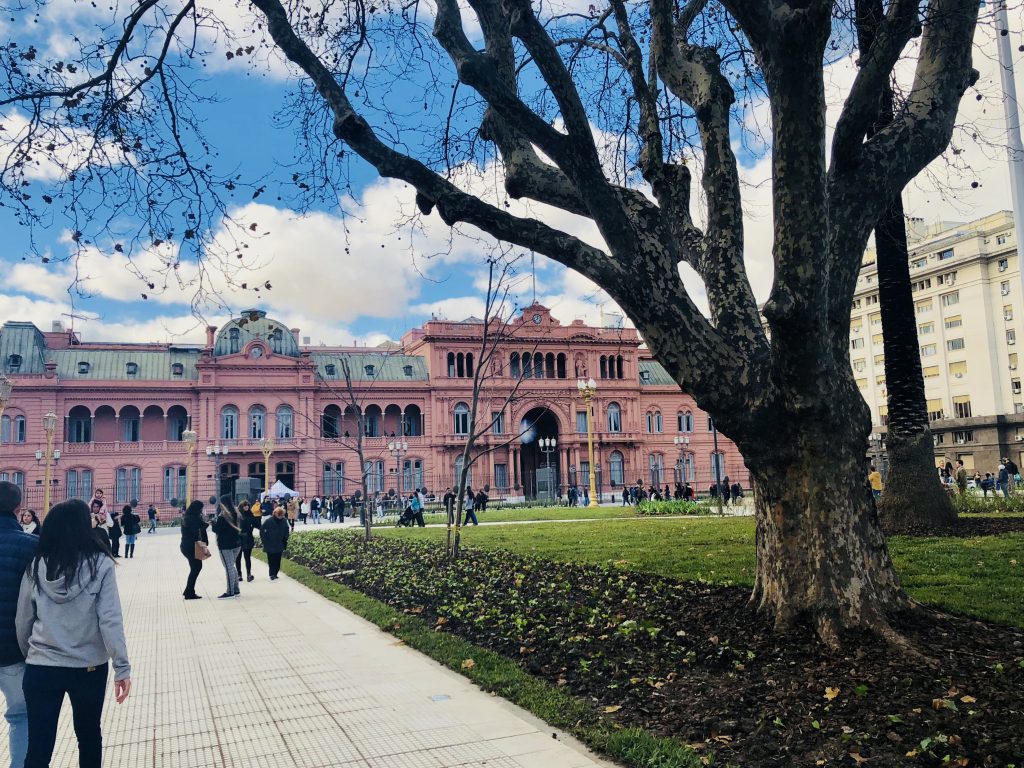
278 490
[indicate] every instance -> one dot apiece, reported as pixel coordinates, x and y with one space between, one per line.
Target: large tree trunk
912 496
822 559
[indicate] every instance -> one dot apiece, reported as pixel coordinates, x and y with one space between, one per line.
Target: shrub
676 507
973 503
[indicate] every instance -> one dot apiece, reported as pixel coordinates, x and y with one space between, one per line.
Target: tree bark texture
912 495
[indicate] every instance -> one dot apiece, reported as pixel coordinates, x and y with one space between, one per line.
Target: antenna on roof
533 269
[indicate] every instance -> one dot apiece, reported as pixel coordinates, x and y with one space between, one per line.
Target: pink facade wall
273 380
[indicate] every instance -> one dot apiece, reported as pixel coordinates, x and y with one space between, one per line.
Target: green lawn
982 577
537 513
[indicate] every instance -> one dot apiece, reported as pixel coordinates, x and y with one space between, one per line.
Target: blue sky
356 269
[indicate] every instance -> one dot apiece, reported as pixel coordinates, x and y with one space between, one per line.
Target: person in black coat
274 535
132 526
193 529
247 524
115 532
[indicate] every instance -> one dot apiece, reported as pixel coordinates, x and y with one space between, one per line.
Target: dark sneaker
193 597
250 577
237 593
226 595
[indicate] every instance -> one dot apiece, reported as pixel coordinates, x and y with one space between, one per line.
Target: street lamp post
188 437
397 448
215 452
718 468
587 391
6 385
268 449
548 445
49 427
682 443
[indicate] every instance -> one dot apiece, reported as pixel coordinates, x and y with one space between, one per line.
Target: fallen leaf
468 664
856 757
612 708
831 693
968 699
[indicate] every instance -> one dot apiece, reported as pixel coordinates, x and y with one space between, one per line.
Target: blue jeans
470 515
17 715
152 525
45 688
1001 486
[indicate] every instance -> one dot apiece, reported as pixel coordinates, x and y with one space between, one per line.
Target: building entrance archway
536 424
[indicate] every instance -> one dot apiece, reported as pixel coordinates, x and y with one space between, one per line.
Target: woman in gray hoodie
69 627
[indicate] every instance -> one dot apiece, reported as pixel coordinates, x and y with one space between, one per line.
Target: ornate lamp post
49 427
188 437
587 391
397 448
267 445
6 385
548 445
681 443
215 452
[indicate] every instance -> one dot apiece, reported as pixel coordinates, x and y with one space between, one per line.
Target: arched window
513 366
684 421
460 365
549 365
659 424
127 484
604 367
718 466
13 429
458 474
78 483
451 365
618 367
527 365
561 365
686 469
334 477
229 423
174 483
656 469
285 422
79 425
412 474
15 476
329 421
615 466
469 365
234 341
257 422
13 363
614 417
461 419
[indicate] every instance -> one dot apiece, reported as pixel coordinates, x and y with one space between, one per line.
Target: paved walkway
282 678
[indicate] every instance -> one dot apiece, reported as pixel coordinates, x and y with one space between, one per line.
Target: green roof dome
254 324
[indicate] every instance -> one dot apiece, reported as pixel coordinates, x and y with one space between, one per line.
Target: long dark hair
228 512
67 543
194 514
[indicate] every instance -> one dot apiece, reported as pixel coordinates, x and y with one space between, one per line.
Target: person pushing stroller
413 513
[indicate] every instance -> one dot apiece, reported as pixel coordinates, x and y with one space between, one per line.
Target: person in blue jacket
17 549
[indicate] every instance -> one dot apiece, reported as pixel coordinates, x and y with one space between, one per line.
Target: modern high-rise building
967 299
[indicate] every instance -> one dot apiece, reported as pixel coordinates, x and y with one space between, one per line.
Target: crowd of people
957 479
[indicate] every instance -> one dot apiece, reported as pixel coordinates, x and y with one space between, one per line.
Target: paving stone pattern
282 678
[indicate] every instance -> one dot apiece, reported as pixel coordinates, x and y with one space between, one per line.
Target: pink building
123 408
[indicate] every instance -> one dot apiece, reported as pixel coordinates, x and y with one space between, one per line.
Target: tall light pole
188 437
681 443
718 467
548 445
1011 115
215 452
397 448
6 385
267 445
587 391
49 427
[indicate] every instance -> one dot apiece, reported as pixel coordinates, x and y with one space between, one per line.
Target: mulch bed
695 662
964 527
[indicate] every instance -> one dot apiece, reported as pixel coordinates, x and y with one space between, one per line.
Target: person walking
151 514
1013 474
274 535
470 514
961 477
70 629
246 525
132 526
293 511
115 532
875 480
17 548
417 509
1003 481
193 530
228 530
